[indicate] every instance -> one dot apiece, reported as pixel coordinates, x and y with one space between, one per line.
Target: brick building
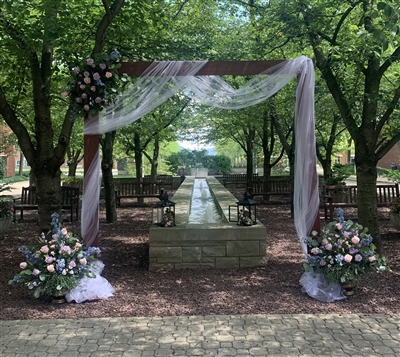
7 151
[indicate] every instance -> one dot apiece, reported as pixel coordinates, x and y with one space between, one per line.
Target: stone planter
395 220
5 223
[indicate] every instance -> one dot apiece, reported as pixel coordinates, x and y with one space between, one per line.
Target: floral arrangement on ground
55 265
343 252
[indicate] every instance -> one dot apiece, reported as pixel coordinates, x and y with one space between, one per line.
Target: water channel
203 208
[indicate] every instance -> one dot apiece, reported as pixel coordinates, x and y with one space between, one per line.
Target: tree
357 49
356 52
34 35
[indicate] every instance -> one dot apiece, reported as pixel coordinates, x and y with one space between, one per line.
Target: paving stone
185 336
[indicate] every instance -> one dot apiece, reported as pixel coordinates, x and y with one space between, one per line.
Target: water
203 208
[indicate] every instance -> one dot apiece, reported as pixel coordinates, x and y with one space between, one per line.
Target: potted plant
343 252
394 214
53 265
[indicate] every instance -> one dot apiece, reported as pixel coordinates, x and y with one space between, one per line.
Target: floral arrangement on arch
343 251
56 264
94 84
394 206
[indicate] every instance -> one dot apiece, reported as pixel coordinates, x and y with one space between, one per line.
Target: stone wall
224 245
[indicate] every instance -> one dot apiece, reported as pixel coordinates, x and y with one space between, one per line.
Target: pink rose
93 88
82 86
338 226
86 107
64 272
50 268
108 74
355 240
324 241
348 258
23 265
35 272
64 231
78 245
84 95
87 80
44 249
371 259
72 264
49 260
328 246
89 61
358 257
102 66
78 100
98 100
83 261
96 76
76 69
86 74
64 94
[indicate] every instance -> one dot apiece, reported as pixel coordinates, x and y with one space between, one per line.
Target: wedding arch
201 81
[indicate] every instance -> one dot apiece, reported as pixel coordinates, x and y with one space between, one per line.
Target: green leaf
36 294
381 5
26 272
388 11
42 277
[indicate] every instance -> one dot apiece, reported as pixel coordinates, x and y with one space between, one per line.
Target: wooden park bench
346 196
237 179
166 179
28 201
135 189
273 186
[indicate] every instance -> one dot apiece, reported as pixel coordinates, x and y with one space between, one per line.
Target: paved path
242 335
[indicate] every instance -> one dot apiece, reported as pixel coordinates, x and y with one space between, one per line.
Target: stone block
227 262
191 254
193 265
165 252
217 251
243 248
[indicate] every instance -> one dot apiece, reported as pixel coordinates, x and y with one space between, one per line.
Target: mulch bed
273 289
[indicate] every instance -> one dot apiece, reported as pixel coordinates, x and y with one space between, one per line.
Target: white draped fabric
163 79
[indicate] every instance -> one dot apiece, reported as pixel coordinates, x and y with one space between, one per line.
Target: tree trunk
107 144
21 164
154 161
138 161
366 202
48 193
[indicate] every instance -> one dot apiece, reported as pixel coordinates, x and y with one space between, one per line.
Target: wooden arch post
135 69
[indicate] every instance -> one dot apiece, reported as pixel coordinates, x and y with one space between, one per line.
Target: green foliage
187 159
339 174
391 175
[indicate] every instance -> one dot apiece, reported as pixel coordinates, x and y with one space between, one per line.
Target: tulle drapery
163 79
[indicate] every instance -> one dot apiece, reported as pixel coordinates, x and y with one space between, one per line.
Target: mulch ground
273 289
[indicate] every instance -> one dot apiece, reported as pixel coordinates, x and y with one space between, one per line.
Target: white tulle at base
316 286
91 288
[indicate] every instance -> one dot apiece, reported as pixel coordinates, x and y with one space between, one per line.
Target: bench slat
346 196
146 189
